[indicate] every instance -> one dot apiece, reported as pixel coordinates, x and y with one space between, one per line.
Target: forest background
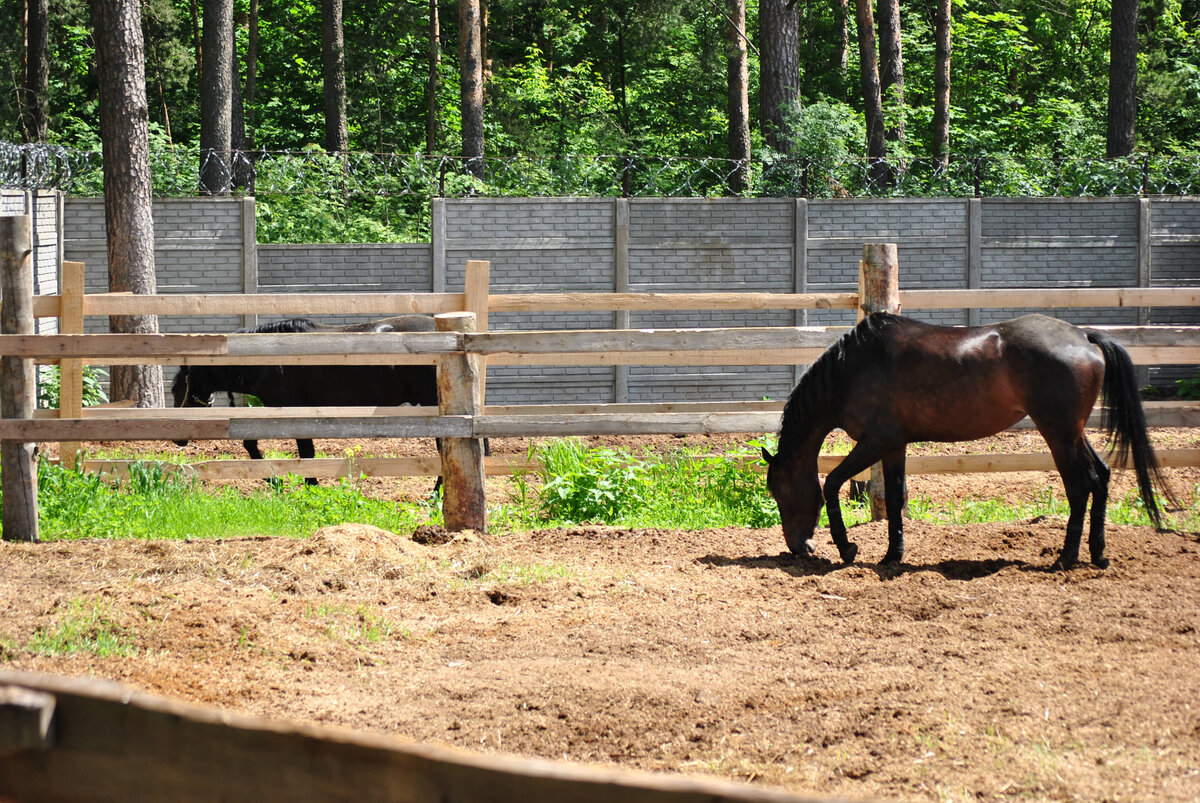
1027 79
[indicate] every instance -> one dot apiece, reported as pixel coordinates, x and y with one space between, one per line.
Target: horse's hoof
848 553
1101 562
892 559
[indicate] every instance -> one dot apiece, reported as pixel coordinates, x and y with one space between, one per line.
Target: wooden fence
65 739
462 351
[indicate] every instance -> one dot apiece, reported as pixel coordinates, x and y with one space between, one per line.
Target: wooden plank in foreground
112 743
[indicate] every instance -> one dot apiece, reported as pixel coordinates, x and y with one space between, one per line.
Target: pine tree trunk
739 99
1122 79
333 60
127 189
471 84
891 66
941 82
431 88
37 69
779 65
869 61
216 98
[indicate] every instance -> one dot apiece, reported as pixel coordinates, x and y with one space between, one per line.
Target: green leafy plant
50 387
582 484
1189 388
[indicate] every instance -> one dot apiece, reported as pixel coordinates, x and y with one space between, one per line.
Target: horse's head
798 496
191 390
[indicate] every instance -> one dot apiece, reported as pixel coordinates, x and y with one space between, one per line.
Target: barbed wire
183 172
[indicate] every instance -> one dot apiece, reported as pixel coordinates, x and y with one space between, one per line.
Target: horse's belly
941 415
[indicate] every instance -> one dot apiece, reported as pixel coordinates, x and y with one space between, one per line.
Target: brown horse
891 381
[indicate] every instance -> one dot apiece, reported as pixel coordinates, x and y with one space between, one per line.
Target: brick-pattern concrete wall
694 244
44 208
342 268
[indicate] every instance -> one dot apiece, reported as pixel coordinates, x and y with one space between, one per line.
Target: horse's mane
286 325
823 385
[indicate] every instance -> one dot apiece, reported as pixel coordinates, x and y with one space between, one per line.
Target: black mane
286 325
823 385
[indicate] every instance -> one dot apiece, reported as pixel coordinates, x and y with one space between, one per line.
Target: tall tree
333 61
431 86
37 69
470 67
872 101
891 64
737 65
779 68
128 214
941 82
216 97
1122 79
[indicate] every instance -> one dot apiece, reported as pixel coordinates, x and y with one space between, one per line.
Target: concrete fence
682 245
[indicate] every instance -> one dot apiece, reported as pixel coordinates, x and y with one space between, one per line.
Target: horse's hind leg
1099 509
1077 463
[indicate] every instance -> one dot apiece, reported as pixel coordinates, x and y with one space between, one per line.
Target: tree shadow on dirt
801 566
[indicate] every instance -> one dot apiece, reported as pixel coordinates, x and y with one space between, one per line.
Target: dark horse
891 381
314 385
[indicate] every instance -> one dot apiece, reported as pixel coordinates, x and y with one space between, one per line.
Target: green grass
681 489
84 627
154 503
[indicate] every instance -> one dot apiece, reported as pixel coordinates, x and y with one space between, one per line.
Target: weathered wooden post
70 371
878 291
18 380
460 392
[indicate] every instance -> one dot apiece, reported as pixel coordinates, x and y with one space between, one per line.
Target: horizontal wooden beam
306 304
239 423
1054 298
122 744
206 304
322 467
516 426
780 345
1003 462
505 465
603 302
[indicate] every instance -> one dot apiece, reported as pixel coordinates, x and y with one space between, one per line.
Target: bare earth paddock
969 673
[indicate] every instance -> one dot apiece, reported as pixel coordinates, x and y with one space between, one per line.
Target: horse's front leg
862 456
305 449
893 498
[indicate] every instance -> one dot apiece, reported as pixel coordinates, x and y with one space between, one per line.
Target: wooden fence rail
742 346
65 739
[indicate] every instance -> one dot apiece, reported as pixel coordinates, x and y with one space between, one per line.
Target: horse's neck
802 448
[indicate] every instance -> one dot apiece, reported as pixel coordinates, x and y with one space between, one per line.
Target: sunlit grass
676 489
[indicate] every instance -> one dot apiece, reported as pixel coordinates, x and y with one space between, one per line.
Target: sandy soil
969 673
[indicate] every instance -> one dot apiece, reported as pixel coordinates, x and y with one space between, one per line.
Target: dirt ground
969 673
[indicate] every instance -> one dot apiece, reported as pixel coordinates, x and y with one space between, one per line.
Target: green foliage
1189 388
85 626
158 503
50 382
582 484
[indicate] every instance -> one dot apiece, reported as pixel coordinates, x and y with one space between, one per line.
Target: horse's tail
1124 421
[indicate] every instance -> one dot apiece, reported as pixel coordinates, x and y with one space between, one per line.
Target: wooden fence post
18 380
878 291
476 292
459 380
70 371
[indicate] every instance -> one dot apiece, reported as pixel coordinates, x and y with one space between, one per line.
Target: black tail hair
1124 422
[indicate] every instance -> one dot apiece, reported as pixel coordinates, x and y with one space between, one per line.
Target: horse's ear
767 456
